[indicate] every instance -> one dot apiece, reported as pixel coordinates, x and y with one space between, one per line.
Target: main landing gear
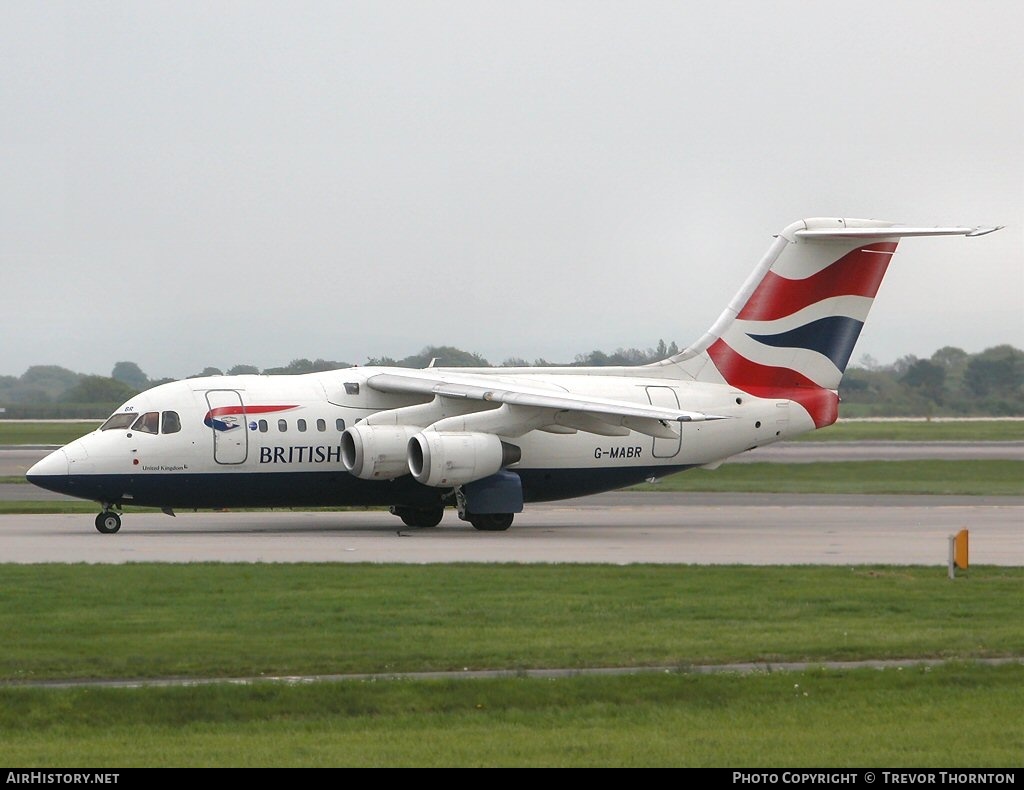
419 516
431 517
490 522
108 522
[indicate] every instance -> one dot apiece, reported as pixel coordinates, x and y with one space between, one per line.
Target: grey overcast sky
185 184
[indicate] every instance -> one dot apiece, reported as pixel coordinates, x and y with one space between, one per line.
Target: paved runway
622 527
15 460
619 528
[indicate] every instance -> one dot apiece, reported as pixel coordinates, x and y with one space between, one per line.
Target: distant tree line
949 383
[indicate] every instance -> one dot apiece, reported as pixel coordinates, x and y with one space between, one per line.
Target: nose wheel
108 522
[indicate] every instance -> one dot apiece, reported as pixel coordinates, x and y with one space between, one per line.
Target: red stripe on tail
858 273
764 381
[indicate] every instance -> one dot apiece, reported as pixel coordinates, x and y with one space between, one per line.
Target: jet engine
452 458
376 452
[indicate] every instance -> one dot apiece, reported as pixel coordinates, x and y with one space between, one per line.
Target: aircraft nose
46 472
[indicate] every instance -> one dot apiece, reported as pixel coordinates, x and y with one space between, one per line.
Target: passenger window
148 422
263 426
171 422
339 424
282 425
321 425
301 425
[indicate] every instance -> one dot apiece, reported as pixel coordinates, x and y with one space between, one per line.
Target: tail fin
791 329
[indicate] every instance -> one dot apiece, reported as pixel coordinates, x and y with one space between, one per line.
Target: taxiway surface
619 528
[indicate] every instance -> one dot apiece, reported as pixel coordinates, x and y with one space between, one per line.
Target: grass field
225 620
948 716
980 478
919 431
14 432
233 620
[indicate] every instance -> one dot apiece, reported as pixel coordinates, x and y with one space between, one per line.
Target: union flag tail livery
484 441
790 331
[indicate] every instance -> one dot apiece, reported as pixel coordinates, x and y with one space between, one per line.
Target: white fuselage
488 440
283 443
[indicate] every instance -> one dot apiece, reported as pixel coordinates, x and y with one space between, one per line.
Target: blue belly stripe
323 489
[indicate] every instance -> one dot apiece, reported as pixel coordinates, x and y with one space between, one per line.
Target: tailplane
791 329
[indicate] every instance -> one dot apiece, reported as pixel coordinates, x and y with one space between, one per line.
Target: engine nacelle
452 458
376 452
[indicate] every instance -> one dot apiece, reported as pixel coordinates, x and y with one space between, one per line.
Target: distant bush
60 411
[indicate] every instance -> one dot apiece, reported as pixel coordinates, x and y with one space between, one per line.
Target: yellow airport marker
957 552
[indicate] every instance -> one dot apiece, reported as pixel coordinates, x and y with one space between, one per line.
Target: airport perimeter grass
230 620
919 431
14 432
975 477
226 620
950 716
63 621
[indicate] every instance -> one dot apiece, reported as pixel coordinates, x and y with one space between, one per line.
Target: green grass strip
956 715
920 431
981 478
233 620
29 507
42 432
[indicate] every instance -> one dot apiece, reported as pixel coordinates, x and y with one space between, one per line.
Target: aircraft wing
565 408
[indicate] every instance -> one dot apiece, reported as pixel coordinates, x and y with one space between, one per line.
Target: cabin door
226 418
665 396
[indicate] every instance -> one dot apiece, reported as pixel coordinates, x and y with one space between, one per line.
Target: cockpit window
119 422
148 422
171 422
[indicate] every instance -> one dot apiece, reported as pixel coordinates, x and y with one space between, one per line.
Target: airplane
486 441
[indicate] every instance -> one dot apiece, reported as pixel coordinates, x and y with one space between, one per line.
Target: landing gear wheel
419 517
108 522
491 522
429 517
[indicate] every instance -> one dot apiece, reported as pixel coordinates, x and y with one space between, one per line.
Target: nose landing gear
108 522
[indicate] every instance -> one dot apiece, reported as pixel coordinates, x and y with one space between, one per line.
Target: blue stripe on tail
833 337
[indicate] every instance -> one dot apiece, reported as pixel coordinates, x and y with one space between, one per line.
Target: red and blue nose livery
227 418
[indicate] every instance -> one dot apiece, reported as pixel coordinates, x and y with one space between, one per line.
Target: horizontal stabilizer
889 233
790 331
